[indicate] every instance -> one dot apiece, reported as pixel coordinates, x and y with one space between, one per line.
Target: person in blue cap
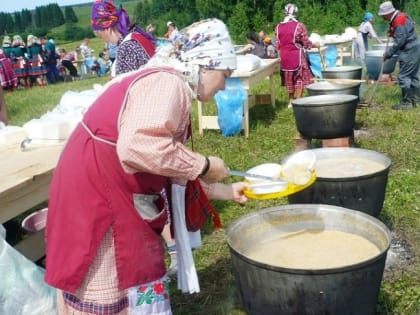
365 32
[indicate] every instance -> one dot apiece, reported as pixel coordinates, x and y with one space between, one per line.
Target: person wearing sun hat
109 197
135 46
365 32
406 45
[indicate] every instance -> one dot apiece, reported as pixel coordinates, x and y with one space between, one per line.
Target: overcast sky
17 5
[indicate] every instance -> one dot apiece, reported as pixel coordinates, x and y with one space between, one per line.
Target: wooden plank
25 177
210 122
24 196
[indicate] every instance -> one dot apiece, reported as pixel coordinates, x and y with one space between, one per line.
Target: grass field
272 130
394 133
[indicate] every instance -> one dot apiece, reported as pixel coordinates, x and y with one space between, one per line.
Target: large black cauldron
364 192
343 72
270 290
325 116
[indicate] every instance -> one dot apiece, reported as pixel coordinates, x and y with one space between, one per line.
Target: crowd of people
37 61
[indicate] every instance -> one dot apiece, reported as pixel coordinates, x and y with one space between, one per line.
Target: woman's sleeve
154 126
372 32
302 36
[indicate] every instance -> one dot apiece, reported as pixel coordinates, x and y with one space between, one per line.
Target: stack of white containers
56 125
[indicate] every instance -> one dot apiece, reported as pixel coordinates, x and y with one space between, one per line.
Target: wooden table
248 79
25 182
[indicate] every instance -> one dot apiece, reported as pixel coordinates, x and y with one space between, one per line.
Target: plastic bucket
36 221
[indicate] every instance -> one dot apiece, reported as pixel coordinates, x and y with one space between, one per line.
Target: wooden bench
25 182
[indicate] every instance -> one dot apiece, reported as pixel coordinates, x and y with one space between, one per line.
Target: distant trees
69 15
320 16
49 16
36 21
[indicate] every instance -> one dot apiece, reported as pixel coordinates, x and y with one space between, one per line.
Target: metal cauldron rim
342 68
325 100
312 208
387 160
331 85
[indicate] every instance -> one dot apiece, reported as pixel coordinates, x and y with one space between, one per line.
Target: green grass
394 133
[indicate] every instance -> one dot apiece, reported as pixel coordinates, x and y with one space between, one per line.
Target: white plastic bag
23 290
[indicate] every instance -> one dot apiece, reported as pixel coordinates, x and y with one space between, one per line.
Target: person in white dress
365 32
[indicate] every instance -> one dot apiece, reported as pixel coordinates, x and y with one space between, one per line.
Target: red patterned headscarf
105 15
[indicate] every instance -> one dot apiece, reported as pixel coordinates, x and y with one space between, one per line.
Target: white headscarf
206 43
290 10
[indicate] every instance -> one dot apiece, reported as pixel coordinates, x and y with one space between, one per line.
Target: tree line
320 16
38 21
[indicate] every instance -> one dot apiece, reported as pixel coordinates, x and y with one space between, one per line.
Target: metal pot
267 289
365 193
381 46
374 60
324 87
343 72
325 116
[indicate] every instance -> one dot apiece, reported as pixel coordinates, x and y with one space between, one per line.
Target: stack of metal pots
330 109
346 203
348 200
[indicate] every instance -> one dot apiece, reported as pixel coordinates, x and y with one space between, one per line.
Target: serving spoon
263 177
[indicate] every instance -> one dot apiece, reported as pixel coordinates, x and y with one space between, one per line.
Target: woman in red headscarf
112 24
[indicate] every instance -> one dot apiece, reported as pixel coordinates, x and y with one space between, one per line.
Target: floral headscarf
290 10
105 15
206 43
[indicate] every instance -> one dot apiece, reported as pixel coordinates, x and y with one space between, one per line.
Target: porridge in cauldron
346 167
313 249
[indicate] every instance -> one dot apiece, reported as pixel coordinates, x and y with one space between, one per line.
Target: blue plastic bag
230 107
315 64
331 55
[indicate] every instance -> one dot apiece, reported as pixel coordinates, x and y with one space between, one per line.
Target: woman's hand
216 170
238 192
233 192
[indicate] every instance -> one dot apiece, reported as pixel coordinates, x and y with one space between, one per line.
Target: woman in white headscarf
109 195
296 75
